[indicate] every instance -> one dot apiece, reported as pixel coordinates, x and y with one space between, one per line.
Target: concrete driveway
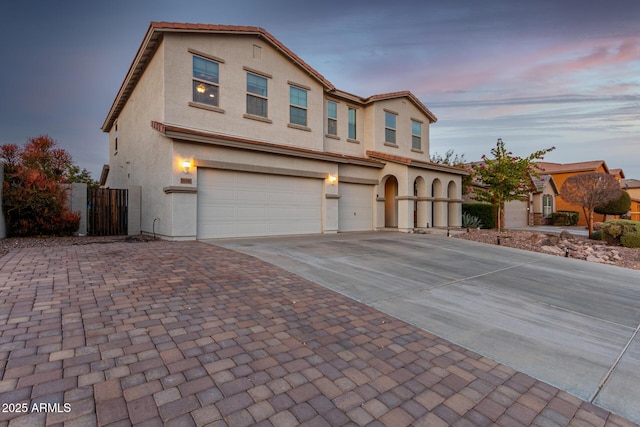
567 322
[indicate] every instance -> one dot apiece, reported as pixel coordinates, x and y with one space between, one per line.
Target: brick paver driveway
163 333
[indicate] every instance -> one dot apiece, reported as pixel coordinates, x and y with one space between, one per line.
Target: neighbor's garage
515 214
355 207
242 204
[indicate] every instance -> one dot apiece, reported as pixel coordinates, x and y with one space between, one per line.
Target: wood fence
106 212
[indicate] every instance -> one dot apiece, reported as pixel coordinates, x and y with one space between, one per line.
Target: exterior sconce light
332 179
186 164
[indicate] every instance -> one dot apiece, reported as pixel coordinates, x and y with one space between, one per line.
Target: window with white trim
416 135
352 124
547 205
332 118
297 106
257 95
389 127
206 85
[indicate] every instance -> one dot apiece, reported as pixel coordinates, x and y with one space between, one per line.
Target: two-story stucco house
229 133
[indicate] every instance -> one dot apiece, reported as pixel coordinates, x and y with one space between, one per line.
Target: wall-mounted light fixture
332 179
186 164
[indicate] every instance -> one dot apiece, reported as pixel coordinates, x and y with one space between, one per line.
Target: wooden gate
106 212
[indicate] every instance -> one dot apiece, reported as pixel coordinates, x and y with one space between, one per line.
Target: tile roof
153 38
571 167
202 136
417 163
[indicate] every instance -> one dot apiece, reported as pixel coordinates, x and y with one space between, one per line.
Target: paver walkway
163 333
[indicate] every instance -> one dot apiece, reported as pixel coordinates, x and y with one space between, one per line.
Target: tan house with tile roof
229 133
632 186
561 172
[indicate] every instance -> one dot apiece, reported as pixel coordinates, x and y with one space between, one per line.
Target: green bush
597 235
616 230
631 240
484 212
566 218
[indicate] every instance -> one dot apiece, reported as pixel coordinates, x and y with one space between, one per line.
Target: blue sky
536 74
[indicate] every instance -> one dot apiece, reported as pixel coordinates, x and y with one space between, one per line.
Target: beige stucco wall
341 143
237 53
144 156
405 111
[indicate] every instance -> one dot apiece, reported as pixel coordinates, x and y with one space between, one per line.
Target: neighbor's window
389 127
205 81
416 135
332 118
298 106
352 123
547 205
256 95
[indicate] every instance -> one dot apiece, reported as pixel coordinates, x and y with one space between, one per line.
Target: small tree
450 158
74 174
590 190
34 200
506 177
620 206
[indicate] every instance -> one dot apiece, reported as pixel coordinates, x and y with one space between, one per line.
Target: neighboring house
535 210
229 133
560 173
632 186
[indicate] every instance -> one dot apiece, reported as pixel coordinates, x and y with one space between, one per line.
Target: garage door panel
234 204
355 207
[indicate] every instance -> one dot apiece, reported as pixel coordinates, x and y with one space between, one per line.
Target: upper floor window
389 127
352 123
416 135
332 118
256 95
298 106
205 81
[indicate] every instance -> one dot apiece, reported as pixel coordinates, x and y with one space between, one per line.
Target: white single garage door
355 207
515 214
242 204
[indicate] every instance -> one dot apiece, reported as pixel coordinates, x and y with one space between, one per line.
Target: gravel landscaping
558 244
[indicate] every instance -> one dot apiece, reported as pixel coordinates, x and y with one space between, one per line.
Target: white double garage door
243 204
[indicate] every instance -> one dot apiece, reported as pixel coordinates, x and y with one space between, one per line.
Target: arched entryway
439 205
419 203
391 202
453 205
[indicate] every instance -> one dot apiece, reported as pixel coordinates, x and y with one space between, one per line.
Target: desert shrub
597 235
614 231
620 206
631 240
484 212
33 198
470 221
567 218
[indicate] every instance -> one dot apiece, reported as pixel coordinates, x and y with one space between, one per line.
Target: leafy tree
451 158
506 177
34 199
620 206
74 174
590 190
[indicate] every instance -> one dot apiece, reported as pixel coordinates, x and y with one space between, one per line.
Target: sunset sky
534 73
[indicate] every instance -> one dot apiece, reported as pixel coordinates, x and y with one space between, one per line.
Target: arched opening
419 206
390 202
453 205
437 207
